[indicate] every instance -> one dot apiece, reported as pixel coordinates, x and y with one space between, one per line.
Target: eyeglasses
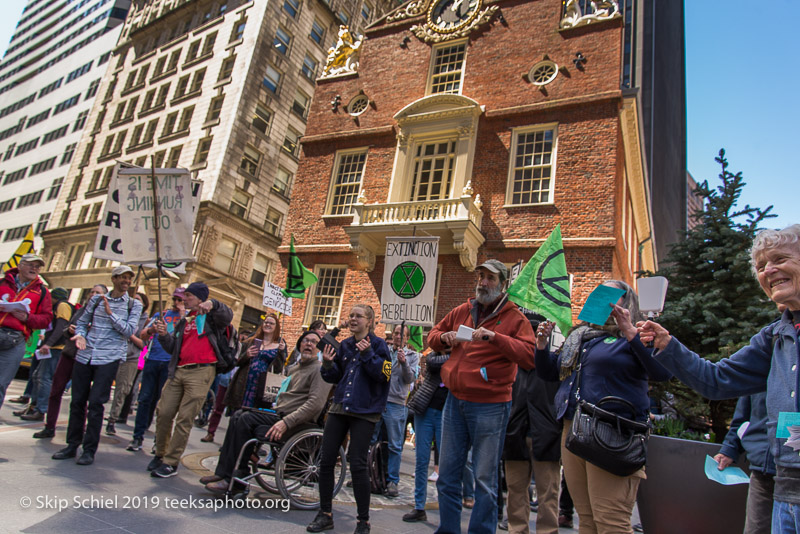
177 299
36 266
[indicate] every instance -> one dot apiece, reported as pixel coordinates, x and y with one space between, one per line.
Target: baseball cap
31 258
496 267
120 270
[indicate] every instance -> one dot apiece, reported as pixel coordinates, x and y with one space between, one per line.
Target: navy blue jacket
755 440
611 367
362 378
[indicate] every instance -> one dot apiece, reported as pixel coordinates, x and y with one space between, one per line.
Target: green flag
298 278
543 284
415 337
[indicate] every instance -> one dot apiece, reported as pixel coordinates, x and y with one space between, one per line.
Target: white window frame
434 52
312 295
333 185
515 133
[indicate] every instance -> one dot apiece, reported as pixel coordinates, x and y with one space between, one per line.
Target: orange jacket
480 371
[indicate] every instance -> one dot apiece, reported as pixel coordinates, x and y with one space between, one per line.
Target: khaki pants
604 502
126 374
548 482
181 400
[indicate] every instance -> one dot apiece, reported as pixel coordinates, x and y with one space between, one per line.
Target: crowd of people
497 405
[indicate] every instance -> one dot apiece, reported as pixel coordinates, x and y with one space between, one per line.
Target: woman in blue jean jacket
361 370
613 362
769 362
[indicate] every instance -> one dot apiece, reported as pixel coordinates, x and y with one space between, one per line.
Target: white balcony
456 221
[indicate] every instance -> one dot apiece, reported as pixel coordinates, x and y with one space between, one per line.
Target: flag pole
156 226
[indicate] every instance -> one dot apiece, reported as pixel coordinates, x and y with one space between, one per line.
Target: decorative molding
429 35
365 259
343 58
467 255
246 262
410 10
596 11
210 245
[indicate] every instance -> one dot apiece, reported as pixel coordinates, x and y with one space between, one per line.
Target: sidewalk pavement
116 493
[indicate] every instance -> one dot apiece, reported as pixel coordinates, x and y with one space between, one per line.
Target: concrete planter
677 497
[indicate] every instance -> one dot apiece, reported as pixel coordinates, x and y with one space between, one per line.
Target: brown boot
208 438
209 479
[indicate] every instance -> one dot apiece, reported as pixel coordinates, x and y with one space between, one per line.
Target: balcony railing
431 211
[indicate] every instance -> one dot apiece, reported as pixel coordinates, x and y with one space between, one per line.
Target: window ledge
133 89
223 82
198 166
234 44
136 148
165 74
210 124
96 193
124 120
109 156
536 205
196 61
173 136
150 111
184 98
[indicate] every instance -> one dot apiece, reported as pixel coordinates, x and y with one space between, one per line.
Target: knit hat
59 293
199 290
303 336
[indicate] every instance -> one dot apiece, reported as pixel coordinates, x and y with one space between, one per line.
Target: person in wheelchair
300 401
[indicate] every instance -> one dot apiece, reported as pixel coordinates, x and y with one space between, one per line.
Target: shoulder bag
605 439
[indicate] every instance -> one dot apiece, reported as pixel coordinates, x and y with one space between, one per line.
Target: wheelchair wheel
265 467
297 470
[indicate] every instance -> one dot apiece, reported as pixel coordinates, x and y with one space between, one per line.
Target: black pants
241 429
92 384
336 428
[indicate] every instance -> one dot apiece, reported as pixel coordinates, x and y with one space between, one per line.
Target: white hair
768 239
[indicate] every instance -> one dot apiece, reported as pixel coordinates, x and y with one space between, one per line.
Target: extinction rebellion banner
409 280
129 192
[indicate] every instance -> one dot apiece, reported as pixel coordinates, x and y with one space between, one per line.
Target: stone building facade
222 88
485 123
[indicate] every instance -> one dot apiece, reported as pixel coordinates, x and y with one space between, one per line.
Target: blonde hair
370 313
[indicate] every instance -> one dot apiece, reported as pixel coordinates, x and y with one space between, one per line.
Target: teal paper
598 305
728 476
200 321
785 420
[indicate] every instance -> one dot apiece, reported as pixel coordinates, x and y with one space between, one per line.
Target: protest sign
274 299
109 243
409 280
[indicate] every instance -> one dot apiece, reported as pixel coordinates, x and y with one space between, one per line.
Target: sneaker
415 515
503 524
362 527
155 463
322 522
45 433
564 521
164 470
110 430
391 490
135 445
434 477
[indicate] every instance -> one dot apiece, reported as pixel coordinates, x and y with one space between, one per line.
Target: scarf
571 349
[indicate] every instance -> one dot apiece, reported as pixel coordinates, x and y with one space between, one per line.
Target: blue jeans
394 417
785 518
481 426
44 379
427 425
468 480
9 363
154 375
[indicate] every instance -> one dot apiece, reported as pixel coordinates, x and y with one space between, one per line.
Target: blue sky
741 69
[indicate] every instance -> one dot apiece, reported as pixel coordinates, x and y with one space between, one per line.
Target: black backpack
378 464
229 346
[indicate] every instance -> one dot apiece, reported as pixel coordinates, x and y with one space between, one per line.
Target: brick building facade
485 123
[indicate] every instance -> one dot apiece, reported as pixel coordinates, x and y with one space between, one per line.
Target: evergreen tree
714 303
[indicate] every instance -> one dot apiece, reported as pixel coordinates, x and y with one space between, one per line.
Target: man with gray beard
479 374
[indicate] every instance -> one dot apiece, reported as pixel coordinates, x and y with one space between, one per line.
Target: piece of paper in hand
41 356
794 437
464 333
743 429
728 476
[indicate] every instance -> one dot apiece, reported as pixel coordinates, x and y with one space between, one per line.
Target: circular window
543 73
358 105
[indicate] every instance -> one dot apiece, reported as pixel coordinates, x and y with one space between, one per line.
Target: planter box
677 498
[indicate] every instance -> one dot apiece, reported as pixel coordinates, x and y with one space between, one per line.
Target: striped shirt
107 339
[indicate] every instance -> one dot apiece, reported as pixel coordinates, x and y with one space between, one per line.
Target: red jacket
41 307
514 344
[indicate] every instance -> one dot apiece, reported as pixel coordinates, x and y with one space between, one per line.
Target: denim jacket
755 441
761 365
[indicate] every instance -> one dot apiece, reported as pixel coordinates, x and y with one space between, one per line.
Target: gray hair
630 300
768 239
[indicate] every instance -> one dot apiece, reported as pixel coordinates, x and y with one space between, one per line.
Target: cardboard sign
274 299
409 280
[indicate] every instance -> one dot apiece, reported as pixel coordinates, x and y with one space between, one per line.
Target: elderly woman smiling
768 363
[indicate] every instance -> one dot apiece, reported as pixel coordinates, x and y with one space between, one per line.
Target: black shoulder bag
605 439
